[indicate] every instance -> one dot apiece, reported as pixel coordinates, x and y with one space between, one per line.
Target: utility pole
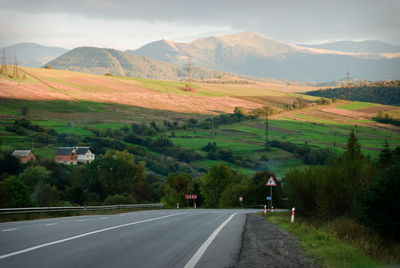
15 69
189 72
267 111
347 78
3 69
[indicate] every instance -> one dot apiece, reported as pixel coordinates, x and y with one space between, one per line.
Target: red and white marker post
265 209
177 205
272 209
292 217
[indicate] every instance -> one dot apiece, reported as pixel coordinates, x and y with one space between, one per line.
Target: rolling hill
101 60
32 54
256 55
79 105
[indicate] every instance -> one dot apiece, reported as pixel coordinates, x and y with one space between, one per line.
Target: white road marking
50 224
82 235
82 220
196 257
9 230
103 218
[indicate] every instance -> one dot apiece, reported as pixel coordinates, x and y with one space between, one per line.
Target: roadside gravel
266 245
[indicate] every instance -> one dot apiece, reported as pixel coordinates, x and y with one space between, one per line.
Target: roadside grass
323 243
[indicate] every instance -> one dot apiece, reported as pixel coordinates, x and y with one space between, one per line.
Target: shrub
118 200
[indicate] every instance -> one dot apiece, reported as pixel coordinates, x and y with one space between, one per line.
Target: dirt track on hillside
266 245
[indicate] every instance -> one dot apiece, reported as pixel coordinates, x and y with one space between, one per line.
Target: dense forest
386 92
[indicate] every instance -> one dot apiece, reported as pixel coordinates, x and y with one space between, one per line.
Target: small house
85 155
67 155
24 155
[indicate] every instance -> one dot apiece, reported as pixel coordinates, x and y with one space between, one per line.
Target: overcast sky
129 24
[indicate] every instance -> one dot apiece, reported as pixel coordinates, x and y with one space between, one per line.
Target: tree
47 196
115 173
353 147
24 110
240 111
14 193
214 183
34 177
9 164
379 202
176 186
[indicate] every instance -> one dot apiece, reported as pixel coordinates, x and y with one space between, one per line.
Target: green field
246 139
358 105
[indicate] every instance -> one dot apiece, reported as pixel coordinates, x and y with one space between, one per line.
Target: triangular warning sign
271 182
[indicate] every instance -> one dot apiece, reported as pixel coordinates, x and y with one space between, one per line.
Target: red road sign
271 182
190 196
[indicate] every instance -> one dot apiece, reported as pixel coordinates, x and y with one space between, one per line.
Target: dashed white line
103 218
9 230
81 220
51 224
82 235
196 257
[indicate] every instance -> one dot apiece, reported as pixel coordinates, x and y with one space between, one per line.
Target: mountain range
368 46
101 61
32 54
256 55
245 53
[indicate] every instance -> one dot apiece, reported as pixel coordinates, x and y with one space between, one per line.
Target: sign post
241 201
271 182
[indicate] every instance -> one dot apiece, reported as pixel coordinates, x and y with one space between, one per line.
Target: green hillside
296 140
101 60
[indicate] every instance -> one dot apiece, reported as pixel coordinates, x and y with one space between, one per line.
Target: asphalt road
158 238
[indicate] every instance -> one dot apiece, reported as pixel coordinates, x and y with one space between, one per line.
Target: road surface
157 238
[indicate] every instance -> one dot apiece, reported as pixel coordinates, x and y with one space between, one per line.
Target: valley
79 106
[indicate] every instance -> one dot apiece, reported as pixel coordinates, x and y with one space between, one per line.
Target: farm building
74 155
85 155
67 155
24 155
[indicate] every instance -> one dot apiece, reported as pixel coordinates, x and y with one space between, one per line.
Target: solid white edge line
82 235
196 257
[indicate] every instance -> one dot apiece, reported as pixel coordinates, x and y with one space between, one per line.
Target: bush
118 200
379 204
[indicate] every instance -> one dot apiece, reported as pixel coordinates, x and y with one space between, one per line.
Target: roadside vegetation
326 244
348 207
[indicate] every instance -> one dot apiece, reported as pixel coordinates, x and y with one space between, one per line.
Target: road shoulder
266 245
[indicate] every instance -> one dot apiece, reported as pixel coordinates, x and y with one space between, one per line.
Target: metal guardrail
10 211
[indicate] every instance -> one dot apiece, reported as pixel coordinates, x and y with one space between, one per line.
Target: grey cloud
282 19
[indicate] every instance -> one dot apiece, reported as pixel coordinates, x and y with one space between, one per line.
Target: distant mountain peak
365 46
32 54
